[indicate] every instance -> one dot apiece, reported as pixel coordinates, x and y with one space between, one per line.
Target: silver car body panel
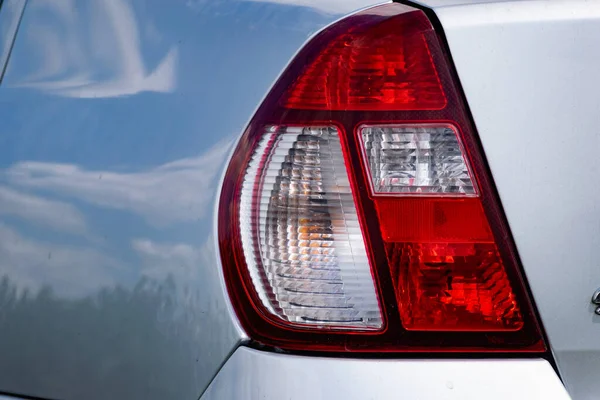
437 4
256 375
10 17
530 74
118 118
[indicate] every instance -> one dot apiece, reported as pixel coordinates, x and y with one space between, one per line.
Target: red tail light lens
441 252
385 67
357 213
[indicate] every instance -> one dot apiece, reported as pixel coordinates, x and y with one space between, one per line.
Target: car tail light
358 214
300 232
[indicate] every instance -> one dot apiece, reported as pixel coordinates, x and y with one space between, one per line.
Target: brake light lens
441 252
387 67
357 213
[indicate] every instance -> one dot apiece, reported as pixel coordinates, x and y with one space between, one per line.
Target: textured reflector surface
415 159
441 252
453 286
388 67
300 231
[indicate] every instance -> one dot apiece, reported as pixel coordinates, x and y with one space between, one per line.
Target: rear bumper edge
253 374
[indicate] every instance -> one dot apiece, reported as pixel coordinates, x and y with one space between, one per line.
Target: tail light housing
357 212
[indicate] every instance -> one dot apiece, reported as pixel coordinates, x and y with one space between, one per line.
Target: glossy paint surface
10 17
117 119
255 375
533 91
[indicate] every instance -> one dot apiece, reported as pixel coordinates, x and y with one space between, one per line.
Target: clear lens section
415 159
300 231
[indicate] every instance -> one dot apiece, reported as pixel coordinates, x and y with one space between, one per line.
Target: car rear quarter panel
530 74
116 120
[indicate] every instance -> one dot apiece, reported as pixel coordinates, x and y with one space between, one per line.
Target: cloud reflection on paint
174 192
71 271
57 215
177 192
92 56
328 6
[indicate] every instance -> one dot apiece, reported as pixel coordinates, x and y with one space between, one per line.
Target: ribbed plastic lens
415 159
441 252
453 286
300 231
388 67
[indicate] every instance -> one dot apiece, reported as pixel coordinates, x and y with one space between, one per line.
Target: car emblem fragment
596 301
